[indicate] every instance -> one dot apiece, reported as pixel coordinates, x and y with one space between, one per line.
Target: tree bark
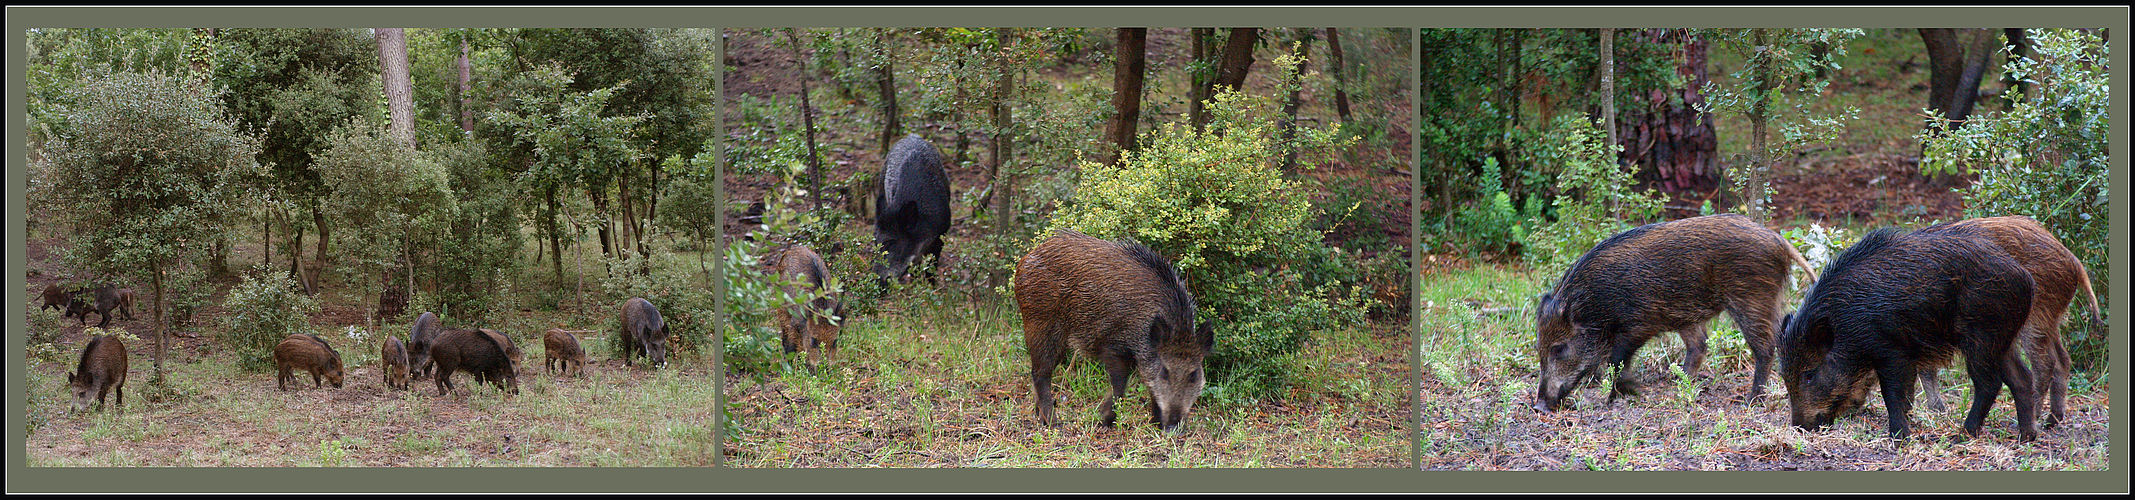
399 92
1004 176
815 174
1955 68
555 235
1760 112
318 217
1607 68
1341 78
1237 57
1200 74
1128 69
1296 83
466 88
1663 133
156 281
886 86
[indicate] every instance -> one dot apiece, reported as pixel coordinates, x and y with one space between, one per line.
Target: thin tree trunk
1760 159
555 235
466 88
1237 57
1296 83
2019 48
1607 69
1004 175
1128 70
399 92
1200 75
815 169
318 217
156 282
1341 78
886 86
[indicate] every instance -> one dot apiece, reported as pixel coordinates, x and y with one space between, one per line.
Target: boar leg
1621 361
444 380
1757 319
933 248
1897 379
1117 370
1931 390
1986 385
2024 390
2049 362
1693 348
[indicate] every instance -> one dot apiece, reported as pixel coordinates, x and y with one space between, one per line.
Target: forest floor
1479 381
938 377
611 416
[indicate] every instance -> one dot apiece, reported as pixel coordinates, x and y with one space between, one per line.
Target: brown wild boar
1666 276
643 331
393 360
102 370
511 347
563 353
1894 303
802 326
420 336
108 298
1120 304
54 298
2056 276
483 353
306 352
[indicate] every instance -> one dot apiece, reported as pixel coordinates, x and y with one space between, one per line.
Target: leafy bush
1218 206
753 290
2045 157
672 285
1492 224
1594 195
264 309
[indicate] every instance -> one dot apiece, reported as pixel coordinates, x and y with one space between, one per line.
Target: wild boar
102 371
643 332
1666 276
306 352
802 326
915 208
483 353
1120 304
563 353
2056 276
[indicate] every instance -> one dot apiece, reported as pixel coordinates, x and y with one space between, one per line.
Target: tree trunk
1200 74
399 92
1672 143
2019 48
1128 70
156 281
555 234
815 174
1004 175
1296 82
886 86
1760 159
1955 68
1341 78
1237 57
1607 68
318 217
466 88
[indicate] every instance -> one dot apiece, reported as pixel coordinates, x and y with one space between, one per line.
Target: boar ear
1207 332
1156 333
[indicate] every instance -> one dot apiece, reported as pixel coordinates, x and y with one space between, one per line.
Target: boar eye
1560 350
1197 374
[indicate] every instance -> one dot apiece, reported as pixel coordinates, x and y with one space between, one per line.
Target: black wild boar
54 298
393 360
643 332
101 371
1896 303
1120 304
420 337
915 207
107 298
2056 276
306 352
801 326
563 353
483 353
1666 276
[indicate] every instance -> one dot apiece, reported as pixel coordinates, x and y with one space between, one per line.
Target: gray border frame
22 479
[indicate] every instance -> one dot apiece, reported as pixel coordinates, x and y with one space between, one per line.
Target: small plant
264 309
332 452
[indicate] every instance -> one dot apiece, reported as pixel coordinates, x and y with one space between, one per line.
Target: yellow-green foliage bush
1216 203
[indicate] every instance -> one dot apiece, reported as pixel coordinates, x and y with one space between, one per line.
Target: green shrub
753 292
2046 157
262 310
672 284
1491 224
1594 194
1216 203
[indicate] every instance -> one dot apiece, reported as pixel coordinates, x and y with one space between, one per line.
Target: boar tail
1796 255
2083 279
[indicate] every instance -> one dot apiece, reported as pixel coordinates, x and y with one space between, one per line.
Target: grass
1478 382
932 383
612 416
